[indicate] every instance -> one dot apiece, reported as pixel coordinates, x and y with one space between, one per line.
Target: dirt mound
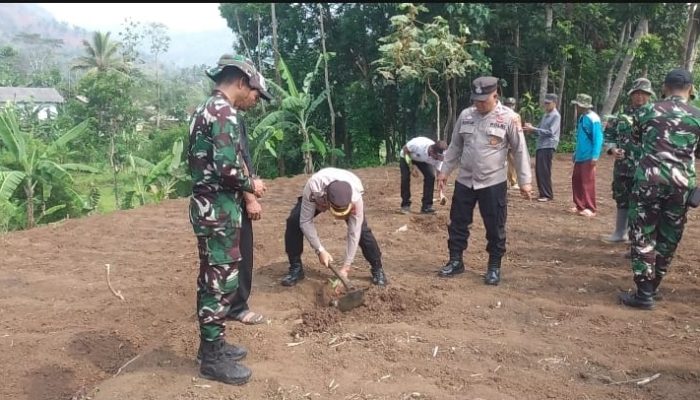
382 305
430 223
392 304
318 320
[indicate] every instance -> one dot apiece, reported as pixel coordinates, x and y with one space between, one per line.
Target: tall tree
281 167
430 55
692 33
621 77
275 44
544 69
159 40
326 56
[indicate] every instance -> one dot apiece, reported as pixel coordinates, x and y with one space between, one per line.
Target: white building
44 101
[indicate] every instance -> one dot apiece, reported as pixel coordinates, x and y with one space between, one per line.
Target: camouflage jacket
670 129
216 165
619 134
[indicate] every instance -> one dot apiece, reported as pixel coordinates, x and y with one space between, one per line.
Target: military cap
550 98
256 80
482 87
643 85
509 101
678 77
583 100
339 195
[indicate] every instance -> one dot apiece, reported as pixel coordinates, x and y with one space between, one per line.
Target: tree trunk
275 45
562 82
544 70
516 68
689 51
308 160
328 85
621 49
258 51
609 104
29 192
240 36
347 144
112 161
390 153
449 122
157 95
455 111
281 168
437 109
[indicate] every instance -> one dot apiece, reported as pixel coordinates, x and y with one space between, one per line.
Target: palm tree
102 55
29 163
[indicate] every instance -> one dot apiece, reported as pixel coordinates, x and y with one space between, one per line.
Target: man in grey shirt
483 136
547 141
340 192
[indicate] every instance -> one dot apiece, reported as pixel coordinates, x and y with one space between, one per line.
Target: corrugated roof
27 95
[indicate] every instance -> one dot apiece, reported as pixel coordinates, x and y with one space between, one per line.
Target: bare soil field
553 329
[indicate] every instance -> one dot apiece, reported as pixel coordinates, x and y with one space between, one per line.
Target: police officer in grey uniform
482 138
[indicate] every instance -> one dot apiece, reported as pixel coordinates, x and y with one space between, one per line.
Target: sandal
250 318
587 213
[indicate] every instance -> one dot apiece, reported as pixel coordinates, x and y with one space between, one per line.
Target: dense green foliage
395 71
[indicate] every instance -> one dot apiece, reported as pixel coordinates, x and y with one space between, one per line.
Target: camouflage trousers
622 190
657 217
217 283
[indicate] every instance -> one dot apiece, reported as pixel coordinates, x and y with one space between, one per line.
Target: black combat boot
493 272
453 267
643 297
233 352
378 277
661 267
656 282
217 367
296 273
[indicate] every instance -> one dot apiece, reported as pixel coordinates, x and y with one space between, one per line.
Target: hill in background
23 24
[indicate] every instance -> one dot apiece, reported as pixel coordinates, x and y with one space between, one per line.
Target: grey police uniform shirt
314 194
480 145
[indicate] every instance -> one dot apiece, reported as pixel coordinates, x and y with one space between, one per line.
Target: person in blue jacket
589 143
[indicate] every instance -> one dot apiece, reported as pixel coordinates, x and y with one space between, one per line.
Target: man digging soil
340 192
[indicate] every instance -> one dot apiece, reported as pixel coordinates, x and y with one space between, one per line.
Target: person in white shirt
427 156
340 192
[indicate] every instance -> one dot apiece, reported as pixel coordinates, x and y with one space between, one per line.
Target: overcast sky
187 17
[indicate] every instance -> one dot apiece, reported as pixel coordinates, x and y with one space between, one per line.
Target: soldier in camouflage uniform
663 180
626 150
219 178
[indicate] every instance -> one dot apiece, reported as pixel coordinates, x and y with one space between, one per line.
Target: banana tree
158 179
294 113
34 166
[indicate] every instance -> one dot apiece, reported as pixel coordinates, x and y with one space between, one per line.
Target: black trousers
493 207
294 239
543 172
428 183
239 303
